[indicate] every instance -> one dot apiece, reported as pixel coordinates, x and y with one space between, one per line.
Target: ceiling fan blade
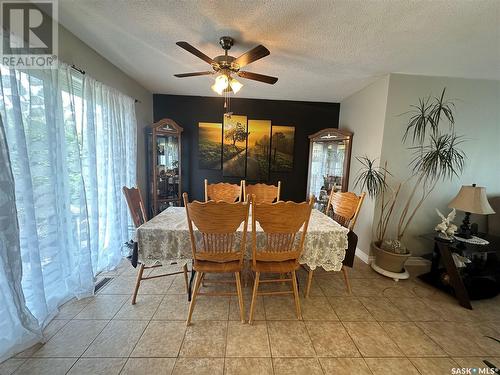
253 55
182 75
258 77
188 47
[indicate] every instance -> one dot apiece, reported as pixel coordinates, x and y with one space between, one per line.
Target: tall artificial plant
436 156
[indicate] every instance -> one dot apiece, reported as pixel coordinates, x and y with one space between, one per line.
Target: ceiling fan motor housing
225 62
226 42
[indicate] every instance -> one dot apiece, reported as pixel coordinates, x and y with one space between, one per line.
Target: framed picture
258 149
282 142
234 146
209 145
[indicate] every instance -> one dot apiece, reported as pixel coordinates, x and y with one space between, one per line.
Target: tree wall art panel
234 146
258 149
282 142
209 145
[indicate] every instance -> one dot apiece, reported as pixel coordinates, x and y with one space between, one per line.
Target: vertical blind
71 142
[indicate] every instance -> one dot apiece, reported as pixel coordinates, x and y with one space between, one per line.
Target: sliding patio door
71 145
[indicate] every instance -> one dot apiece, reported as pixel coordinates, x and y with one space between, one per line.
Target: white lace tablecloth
165 238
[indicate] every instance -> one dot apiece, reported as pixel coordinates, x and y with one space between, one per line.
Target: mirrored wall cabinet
164 172
329 160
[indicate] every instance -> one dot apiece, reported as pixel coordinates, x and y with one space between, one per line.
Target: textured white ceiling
320 50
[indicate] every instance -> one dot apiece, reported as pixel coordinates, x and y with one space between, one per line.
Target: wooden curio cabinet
164 165
329 161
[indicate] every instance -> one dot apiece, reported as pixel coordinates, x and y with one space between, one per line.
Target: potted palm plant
436 157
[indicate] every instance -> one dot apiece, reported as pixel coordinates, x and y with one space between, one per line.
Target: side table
442 261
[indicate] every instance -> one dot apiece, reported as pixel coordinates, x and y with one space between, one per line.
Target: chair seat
216 267
275 267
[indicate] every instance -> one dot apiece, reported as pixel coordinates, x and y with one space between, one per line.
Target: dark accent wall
188 111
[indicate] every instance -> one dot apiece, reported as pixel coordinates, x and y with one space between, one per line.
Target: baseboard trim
412 261
364 256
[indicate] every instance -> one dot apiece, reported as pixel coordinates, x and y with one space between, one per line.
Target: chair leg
254 296
185 269
240 296
309 282
296 296
199 277
191 278
346 279
137 283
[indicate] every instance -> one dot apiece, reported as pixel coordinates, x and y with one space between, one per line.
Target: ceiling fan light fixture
221 83
235 85
217 89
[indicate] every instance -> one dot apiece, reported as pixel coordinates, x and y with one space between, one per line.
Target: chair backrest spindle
217 222
346 207
281 222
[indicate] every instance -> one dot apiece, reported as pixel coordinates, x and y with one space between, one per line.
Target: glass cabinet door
164 148
167 167
327 166
329 156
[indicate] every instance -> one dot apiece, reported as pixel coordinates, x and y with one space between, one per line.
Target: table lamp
471 200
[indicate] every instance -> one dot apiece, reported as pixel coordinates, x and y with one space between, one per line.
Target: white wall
73 51
363 113
477 117
374 114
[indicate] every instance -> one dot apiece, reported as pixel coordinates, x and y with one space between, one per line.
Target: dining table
165 239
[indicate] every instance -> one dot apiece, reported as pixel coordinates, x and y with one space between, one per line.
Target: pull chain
227 102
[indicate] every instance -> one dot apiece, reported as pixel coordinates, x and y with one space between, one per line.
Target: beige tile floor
382 328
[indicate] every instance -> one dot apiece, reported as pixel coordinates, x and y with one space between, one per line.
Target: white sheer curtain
71 142
107 135
17 326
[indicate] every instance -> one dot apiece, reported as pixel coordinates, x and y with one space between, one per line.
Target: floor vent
101 284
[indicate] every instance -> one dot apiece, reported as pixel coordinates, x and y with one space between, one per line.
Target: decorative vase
388 260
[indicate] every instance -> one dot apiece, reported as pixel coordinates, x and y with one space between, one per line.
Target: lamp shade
472 199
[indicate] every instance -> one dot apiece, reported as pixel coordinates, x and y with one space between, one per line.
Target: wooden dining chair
345 210
262 193
139 217
223 191
281 223
217 250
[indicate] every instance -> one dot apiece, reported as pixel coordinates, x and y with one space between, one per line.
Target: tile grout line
142 334
389 303
312 344
225 346
185 328
332 307
55 333
348 334
182 341
431 339
88 346
267 330
228 321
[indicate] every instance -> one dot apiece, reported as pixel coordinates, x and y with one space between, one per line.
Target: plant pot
389 261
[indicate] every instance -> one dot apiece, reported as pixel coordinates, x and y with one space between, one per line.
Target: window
72 146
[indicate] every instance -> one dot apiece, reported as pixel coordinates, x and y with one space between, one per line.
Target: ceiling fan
224 66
